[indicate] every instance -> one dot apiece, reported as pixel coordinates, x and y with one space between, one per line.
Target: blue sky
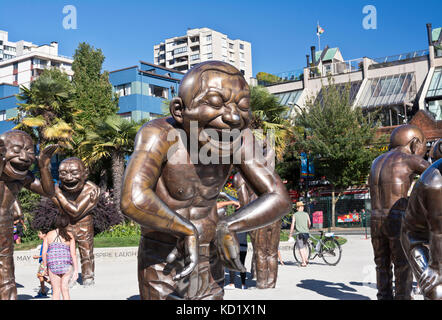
281 31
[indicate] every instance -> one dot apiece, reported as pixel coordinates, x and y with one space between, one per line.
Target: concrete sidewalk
353 278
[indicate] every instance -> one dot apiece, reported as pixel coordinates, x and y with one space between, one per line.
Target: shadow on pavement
24 297
332 290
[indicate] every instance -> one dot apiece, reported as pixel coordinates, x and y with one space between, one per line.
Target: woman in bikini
59 257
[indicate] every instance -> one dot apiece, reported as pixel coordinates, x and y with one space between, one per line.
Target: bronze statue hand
44 159
228 248
191 247
429 280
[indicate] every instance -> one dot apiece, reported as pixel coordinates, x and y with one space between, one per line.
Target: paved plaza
116 276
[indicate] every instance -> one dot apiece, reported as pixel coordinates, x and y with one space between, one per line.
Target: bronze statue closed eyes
173 197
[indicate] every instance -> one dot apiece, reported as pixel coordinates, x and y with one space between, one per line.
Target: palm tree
112 139
48 107
270 116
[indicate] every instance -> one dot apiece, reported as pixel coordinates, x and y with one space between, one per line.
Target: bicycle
327 248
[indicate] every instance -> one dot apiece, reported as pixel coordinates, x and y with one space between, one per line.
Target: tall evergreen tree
94 96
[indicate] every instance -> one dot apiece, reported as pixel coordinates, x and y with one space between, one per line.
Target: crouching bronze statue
170 189
391 176
421 235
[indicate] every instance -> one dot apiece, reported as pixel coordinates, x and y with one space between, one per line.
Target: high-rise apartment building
203 44
22 62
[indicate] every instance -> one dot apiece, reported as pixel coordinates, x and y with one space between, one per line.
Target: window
208 48
9 48
3 115
209 38
195 57
241 46
230 45
241 55
7 56
123 90
209 56
243 72
158 91
180 50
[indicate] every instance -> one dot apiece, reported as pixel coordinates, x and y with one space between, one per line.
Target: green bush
122 230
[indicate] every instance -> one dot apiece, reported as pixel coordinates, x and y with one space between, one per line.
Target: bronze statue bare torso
173 196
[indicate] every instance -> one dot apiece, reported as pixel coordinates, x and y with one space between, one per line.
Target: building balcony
179 63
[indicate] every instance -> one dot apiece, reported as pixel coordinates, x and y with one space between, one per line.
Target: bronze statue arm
80 210
44 186
16 209
241 189
418 164
273 203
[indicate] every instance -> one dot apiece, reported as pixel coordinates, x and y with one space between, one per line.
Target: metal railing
335 68
402 56
287 76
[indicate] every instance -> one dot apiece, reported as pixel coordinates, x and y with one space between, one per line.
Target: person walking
60 258
301 224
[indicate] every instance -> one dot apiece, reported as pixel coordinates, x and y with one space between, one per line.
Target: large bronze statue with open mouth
17 156
179 166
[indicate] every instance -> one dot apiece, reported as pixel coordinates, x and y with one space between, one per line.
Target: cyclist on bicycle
301 225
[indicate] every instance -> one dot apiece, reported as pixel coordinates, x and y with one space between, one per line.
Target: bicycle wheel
297 254
331 251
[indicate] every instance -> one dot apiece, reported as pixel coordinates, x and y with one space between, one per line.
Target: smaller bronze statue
76 197
421 234
391 176
265 241
17 156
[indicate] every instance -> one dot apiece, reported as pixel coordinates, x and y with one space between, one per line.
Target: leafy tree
94 95
111 139
47 106
339 136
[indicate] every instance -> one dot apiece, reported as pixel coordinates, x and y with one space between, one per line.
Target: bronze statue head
436 150
216 96
19 153
410 137
73 174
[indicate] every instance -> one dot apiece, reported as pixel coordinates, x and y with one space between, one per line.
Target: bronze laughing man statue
18 157
173 197
391 176
76 197
421 235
